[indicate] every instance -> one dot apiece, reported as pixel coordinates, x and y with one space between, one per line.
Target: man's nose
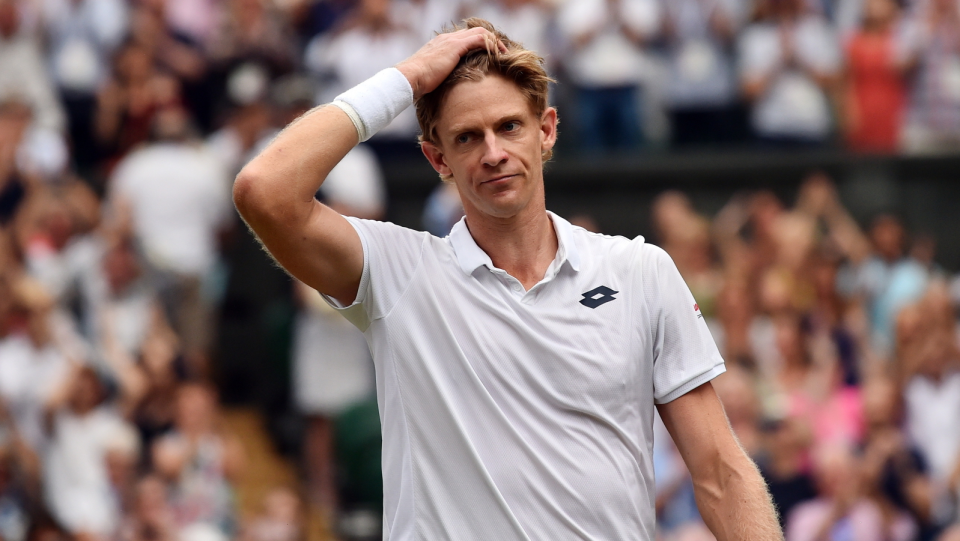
493 152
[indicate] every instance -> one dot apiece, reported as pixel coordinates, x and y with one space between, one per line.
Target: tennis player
519 359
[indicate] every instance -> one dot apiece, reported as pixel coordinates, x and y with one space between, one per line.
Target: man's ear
548 129
435 157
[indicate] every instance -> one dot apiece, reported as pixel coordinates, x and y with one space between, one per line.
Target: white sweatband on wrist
374 103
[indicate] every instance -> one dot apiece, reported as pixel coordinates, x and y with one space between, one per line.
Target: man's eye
463 138
511 126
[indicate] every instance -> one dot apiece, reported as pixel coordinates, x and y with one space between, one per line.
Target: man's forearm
736 504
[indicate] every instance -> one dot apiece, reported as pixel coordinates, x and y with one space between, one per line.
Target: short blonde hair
522 66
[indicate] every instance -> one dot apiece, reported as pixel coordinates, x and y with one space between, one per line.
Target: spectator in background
151 518
253 30
607 64
875 90
789 60
35 359
195 21
702 91
173 195
933 120
14 503
932 400
199 461
368 41
427 17
23 72
129 101
77 484
280 520
58 247
525 21
442 210
174 55
14 182
784 465
841 511
884 279
82 36
892 466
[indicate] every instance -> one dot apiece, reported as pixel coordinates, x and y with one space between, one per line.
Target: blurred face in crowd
937 353
786 9
375 11
121 467
121 266
134 64
880 402
195 410
491 142
790 341
670 212
151 507
87 392
157 354
835 471
879 13
764 210
888 236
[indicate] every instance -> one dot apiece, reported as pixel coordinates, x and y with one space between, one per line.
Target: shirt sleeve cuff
692 384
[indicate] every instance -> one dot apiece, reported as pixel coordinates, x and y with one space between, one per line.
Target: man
518 360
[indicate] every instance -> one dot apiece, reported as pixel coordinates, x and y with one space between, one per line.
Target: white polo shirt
523 415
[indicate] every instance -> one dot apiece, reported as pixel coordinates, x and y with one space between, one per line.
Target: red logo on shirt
696 307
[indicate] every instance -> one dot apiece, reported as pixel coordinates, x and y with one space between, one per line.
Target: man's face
491 142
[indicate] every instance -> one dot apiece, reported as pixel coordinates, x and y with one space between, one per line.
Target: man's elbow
252 197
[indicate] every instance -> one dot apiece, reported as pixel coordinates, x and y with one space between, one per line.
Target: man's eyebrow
463 128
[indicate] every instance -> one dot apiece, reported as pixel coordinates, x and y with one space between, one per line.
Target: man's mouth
498 179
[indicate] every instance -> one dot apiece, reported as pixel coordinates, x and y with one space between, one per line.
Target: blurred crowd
843 377
123 123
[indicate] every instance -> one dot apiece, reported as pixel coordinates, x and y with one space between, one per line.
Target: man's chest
575 342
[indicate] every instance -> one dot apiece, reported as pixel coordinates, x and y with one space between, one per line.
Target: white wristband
374 103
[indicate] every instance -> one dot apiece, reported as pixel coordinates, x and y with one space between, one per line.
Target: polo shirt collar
471 257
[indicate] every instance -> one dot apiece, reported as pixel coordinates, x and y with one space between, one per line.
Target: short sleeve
684 353
391 257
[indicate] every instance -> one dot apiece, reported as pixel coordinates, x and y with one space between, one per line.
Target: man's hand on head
429 66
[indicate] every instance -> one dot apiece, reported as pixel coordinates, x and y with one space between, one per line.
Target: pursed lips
496 179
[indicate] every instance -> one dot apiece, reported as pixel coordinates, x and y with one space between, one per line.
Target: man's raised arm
274 193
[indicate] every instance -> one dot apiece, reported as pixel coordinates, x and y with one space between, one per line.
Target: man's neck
523 245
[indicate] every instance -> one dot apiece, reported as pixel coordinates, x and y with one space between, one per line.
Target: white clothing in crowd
527 23
426 17
357 183
793 105
354 55
179 198
600 54
700 65
23 76
77 486
332 368
82 36
28 377
933 423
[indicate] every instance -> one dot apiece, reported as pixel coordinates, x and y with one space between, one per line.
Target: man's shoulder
615 247
389 238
